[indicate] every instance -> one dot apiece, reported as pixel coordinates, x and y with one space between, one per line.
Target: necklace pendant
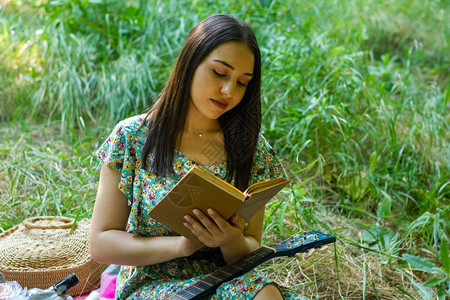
200 135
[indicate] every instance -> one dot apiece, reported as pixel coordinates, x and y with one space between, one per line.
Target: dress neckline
219 164
144 119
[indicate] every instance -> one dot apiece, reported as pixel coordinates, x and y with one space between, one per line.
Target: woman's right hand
188 247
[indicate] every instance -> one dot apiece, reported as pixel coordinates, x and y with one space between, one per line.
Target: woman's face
220 80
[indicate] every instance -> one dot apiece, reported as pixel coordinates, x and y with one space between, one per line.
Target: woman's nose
228 89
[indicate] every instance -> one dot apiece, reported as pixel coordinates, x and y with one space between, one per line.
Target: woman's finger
220 222
197 228
209 224
238 221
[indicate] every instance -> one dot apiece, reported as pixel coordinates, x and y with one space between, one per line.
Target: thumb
238 221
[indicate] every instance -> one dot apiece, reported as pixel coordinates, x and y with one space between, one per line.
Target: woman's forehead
235 55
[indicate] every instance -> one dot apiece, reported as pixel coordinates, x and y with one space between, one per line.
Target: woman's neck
196 125
202 140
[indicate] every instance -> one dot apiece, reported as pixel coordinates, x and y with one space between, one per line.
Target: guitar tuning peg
315 237
292 238
289 245
278 241
311 252
305 255
302 241
324 248
304 233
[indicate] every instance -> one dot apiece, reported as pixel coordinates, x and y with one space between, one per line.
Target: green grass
43 175
355 101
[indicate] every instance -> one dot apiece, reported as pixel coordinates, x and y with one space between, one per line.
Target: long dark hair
240 126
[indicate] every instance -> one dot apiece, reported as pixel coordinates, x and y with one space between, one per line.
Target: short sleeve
119 153
266 163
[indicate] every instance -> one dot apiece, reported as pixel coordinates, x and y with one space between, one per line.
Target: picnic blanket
107 285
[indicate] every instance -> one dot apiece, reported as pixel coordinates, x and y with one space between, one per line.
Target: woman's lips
219 104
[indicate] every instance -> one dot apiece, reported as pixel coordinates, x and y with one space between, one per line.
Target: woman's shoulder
132 127
134 122
266 163
263 145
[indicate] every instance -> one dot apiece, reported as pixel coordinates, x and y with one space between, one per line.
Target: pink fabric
110 290
107 287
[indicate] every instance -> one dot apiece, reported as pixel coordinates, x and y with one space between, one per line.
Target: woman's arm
234 240
109 241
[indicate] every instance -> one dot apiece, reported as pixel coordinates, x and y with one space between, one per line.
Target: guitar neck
212 281
208 284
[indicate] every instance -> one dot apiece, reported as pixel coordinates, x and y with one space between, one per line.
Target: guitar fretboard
226 273
211 282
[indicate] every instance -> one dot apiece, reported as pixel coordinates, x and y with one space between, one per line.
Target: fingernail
210 211
196 212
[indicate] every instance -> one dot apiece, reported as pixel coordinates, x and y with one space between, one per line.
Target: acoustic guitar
208 284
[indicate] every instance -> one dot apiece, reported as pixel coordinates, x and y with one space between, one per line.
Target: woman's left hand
213 230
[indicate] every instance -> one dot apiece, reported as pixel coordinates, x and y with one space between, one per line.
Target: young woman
209 114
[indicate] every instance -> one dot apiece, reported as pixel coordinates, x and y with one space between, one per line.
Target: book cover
202 189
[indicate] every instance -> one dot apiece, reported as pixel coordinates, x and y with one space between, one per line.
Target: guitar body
208 284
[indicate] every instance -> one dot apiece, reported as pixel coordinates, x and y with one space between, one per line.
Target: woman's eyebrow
229 66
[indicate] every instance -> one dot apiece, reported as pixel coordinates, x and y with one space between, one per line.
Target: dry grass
358 274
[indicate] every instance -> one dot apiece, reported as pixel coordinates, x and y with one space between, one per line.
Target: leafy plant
441 275
387 242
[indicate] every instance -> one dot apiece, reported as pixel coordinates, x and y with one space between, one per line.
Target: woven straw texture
41 251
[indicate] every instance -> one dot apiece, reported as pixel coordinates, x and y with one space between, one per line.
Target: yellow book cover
202 189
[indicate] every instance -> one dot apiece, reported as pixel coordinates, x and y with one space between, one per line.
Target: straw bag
41 251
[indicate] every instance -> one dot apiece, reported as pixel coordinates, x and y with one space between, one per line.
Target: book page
259 197
263 185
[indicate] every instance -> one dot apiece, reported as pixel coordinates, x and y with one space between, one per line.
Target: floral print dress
122 151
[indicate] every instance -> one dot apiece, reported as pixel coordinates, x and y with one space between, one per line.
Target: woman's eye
218 74
242 84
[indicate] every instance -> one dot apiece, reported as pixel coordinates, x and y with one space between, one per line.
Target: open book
201 189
